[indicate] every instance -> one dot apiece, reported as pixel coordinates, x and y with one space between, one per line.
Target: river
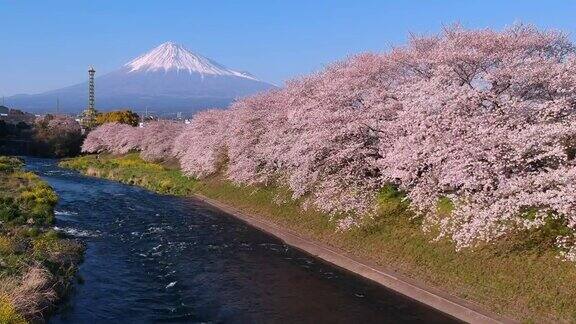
153 258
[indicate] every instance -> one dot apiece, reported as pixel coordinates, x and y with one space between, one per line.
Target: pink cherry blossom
114 138
201 146
158 139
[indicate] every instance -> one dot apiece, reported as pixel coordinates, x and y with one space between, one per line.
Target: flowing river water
152 258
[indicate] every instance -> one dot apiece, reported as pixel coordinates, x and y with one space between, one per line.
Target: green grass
520 276
130 169
27 242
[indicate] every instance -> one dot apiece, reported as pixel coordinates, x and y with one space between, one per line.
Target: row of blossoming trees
483 118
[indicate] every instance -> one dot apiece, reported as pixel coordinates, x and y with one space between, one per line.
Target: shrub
8 163
127 117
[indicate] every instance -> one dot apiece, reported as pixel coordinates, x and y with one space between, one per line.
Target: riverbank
37 264
520 278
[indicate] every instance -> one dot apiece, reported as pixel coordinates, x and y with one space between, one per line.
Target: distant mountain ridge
167 79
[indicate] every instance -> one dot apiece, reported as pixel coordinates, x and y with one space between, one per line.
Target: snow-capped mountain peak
171 56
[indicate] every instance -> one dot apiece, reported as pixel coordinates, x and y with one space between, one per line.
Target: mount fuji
167 79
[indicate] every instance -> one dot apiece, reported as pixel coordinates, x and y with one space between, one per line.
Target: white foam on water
172 284
76 232
64 213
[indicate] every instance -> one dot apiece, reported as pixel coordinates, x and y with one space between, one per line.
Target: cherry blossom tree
57 135
201 146
257 138
487 120
114 138
158 138
96 141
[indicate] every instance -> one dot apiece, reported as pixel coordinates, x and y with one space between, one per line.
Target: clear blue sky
49 44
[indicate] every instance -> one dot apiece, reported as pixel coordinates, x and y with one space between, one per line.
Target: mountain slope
167 79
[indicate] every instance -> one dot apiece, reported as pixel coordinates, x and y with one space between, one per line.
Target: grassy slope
520 276
36 263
